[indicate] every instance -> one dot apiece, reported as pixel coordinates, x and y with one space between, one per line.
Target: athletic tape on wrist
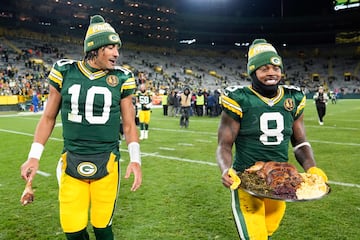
36 150
134 152
301 145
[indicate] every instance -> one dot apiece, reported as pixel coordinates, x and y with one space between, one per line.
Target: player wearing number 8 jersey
91 95
261 120
266 124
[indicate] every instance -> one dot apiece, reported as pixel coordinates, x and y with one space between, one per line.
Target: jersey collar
270 101
90 72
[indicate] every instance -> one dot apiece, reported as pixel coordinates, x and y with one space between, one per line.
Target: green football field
182 196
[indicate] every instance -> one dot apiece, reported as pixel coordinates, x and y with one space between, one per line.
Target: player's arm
227 133
43 131
302 148
132 140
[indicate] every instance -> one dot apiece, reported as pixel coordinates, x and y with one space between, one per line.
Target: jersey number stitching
74 116
271 133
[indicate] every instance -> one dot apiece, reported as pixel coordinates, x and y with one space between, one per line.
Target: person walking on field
90 94
321 100
260 121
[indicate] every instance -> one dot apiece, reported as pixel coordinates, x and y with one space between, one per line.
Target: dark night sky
256 8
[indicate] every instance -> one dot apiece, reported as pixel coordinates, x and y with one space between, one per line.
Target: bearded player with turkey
261 120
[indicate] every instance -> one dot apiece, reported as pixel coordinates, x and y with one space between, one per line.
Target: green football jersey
144 98
265 124
90 105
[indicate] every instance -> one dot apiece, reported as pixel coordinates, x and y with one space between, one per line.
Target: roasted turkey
282 177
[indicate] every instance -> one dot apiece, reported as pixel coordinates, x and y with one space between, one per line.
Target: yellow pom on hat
100 34
261 53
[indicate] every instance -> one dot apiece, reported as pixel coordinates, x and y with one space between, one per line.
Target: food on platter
282 181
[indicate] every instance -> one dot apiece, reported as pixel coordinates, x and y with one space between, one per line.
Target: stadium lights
188 41
244 44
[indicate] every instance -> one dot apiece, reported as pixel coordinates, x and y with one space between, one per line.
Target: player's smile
269 74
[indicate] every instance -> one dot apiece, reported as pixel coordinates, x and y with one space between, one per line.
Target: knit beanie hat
100 34
262 53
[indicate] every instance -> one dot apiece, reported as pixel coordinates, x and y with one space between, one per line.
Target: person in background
90 94
261 120
144 99
321 99
200 102
177 104
210 105
185 103
35 102
333 97
164 103
171 100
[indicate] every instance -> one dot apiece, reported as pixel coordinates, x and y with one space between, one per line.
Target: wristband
226 171
134 152
36 150
301 145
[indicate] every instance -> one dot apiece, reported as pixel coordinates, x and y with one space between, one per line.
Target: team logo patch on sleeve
112 80
289 104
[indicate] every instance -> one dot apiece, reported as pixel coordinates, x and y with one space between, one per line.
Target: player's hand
230 179
134 168
29 168
319 172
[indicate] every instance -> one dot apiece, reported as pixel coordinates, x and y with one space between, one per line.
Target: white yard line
186 144
167 148
157 155
45 174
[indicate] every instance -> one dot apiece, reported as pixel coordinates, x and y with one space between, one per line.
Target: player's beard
268 91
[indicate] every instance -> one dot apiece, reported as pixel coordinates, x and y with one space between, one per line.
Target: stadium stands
25 63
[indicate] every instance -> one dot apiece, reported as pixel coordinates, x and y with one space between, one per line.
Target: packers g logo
275 61
87 169
114 38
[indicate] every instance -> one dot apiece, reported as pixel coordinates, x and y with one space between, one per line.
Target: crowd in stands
25 63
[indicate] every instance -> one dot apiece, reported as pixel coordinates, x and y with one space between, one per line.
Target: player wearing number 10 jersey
90 109
261 120
91 95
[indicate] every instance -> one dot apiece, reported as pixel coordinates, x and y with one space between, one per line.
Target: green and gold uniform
89 168
145 100
265 132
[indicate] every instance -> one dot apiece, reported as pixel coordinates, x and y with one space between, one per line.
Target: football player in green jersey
144 99
91 95
261 120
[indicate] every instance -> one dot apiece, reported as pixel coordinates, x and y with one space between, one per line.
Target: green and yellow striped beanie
100 34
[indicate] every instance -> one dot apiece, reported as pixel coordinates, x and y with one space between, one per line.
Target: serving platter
276 197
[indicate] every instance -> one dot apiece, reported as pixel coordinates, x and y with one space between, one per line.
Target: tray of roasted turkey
282 181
